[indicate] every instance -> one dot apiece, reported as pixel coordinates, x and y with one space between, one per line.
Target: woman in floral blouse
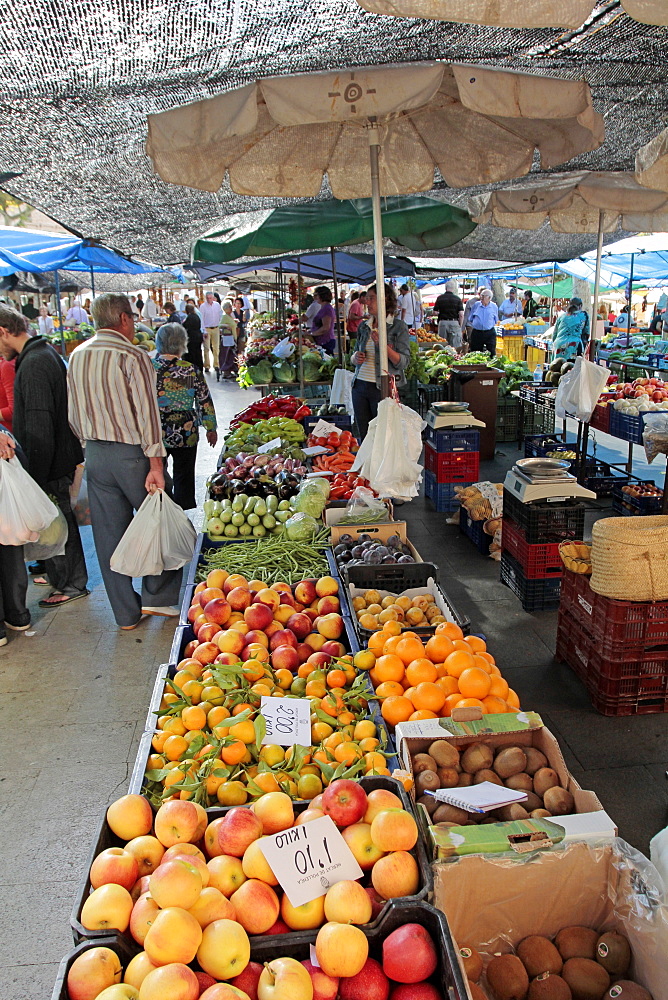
185 404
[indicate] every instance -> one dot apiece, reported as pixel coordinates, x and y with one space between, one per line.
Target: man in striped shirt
113 410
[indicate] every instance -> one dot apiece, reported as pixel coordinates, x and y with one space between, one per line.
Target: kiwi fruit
484 774
624 989
448 777
512 812
549 986
535 760
613 953
532 802
540 814
427 781
521 782
472 962
476 757
543 779
577 942
451 814
509 761
423 762
444 753
464 780
539 955
476 992
587 979
507 977
558 801
429 802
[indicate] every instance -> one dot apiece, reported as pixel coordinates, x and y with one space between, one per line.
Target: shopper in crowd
192 302
611 317
7 376
323 324
76 314
173 314
571 332
29 310
450 311
211 313
466 322
150 309
40 425
624 320
484 317
408 306
355 312
13 576
366 384
656 325
114 410
193 327
44 322
529 307
511 306
140 305
241 316
185 405
227 362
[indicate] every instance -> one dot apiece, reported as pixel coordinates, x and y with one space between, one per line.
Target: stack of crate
451 459
530 562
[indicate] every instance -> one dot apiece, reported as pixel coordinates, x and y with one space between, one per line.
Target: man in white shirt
44 323
76 315
408 306
211 313
511 306
150 309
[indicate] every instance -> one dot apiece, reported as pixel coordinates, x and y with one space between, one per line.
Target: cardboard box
380 531
491 903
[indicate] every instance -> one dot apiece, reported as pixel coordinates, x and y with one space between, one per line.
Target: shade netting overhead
359 268
35 251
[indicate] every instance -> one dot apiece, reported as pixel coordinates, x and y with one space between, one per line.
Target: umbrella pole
628 329
554 271
60 316
299 324
92 281
374 157
336 306
597 286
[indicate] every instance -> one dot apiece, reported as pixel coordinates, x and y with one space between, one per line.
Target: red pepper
303 411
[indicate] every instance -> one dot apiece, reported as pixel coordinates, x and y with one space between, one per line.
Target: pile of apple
186 889
641 395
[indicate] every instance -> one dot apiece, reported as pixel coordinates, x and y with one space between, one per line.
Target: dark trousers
183 476
227 359
13 585
483 340
116 474
366 397
67 573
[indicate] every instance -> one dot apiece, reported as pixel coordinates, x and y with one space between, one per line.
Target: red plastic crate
600 418
632 626
538 562
452 466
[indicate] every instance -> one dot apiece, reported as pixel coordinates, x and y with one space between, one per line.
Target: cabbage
301 527
261 373
284 372
312 370
321 484
309 502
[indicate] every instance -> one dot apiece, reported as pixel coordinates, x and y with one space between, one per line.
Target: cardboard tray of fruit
107 839
411 945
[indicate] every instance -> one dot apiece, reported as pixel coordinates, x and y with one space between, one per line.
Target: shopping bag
579 389
341 392
390 459
25 509
177 535
284 349
159 537
51 542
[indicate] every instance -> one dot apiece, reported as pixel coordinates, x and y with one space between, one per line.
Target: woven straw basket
629 558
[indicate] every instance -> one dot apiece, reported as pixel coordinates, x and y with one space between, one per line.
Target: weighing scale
544 479
448 415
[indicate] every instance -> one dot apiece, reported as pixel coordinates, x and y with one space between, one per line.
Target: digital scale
442 415
544 479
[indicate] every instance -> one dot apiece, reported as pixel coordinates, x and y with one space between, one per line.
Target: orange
348 753
499 686
459 661
494 705
396 709
253 670
409 691
421 670
333 741
316 689
174 726
461 644
448 685
422 713
336 679
450 629
440 670
438 647
482 663
429 696
267 782
409 648
158 741
472 703
374 761
488 656
451 701
216 715
474 683
284 678
233 753
376 642
391 644
175 747
512 699
244 731
477 644
388 688
389 667
495 669
305 669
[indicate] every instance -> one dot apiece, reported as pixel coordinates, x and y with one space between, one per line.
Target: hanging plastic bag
341 392
579 389
284 349
655 435
156 539
51 542
25 509
364 508
389 462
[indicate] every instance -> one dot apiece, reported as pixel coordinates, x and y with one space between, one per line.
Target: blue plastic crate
444 440
341 420
535 595
625 427
474 530
538 445
442 495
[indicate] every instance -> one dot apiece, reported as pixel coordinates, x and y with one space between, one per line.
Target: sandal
41 581
68 598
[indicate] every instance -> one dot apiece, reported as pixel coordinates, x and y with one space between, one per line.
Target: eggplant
237 486
286 492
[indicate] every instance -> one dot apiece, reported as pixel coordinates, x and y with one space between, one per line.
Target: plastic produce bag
159 537
579 389
655 435
25 509
284 349
364 508
388 456
342 389
51 542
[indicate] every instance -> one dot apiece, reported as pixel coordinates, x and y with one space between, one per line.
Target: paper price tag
313 956
308 859
315 449
264 448
323 428
288 721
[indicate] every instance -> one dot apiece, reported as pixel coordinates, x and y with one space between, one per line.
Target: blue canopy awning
35 251
650 261
350 267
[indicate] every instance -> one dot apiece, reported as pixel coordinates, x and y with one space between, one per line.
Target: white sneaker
168 612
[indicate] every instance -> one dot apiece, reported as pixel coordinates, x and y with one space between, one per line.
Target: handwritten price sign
288 721
308 859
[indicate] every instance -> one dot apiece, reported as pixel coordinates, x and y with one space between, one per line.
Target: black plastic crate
474 530
602 478
535 595
545 520
114 942
538 445
538 419
341 420
507 419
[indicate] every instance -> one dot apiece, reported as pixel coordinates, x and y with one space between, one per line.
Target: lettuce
309 502
301 527
284 372
261 373
319 483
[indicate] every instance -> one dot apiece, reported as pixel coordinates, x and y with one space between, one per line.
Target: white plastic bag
284 349
51 542
341 392
389 453
25 509
579 389
156 539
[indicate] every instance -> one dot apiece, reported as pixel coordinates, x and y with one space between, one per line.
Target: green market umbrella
417 222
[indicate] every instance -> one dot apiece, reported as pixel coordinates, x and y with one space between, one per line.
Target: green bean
271 558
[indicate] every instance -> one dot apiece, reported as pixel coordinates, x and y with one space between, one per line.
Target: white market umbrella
374 131
652 161
514 13
576 202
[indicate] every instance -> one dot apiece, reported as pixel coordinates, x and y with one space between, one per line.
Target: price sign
269 446
288 721
308 859
323 428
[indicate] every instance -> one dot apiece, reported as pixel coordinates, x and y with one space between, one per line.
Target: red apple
258 616
218 610
283 637
345 801
280 927
377 902
324 987
204 980
416 991
299 624
369 984
305 592
248 979
409 954
285 658
333 647
114 865
303 651
240 828
239 598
